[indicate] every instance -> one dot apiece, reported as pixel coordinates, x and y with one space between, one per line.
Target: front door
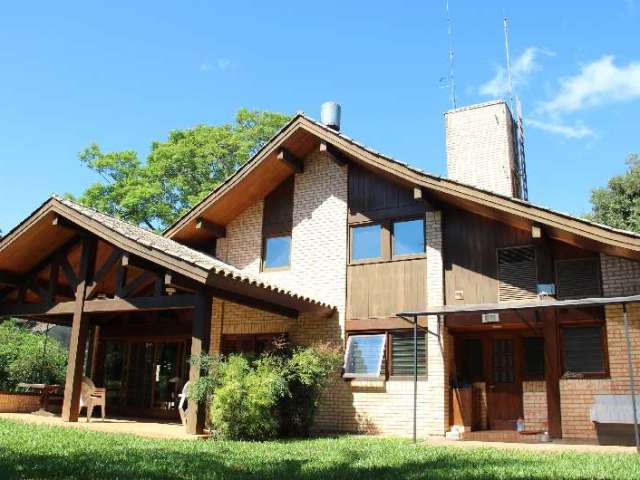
504 389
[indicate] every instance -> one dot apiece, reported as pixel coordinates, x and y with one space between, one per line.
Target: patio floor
135 426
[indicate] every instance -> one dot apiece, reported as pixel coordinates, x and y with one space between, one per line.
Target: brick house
519 307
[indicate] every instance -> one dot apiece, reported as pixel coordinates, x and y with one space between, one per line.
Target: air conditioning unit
490 318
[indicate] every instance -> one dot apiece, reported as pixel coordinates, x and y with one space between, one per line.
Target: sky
123 74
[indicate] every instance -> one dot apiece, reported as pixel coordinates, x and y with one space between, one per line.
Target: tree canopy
178 172
618 204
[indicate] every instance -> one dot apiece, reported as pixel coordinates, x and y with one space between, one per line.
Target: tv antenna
452 83
506 49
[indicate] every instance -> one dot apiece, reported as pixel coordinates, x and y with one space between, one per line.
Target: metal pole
632 382
415 376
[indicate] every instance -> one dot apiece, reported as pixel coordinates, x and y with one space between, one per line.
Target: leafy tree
23 357
618 204
178 172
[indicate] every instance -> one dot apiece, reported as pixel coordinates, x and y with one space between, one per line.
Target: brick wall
619 277
480 148
19 402
534 405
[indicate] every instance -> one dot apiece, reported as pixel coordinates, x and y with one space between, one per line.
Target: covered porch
138 305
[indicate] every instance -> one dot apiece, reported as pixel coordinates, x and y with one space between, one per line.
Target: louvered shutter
402 353
577 278
517 274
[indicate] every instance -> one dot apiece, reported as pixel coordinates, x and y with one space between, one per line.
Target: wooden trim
201 326
334 154
387 323
374 216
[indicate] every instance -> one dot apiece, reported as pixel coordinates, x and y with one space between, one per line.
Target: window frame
603 344
387 240
387 367
263 255
368 376
408 256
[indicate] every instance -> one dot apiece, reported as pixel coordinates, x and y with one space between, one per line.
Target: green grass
28 451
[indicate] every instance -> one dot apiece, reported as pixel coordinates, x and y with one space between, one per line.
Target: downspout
631 376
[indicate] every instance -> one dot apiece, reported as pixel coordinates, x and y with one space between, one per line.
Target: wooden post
201 331
552 370
78 340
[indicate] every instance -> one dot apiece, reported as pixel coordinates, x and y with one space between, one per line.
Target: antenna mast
506 48
452 84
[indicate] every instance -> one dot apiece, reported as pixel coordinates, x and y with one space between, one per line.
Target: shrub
23 357
259 398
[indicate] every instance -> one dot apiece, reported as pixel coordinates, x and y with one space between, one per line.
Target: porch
147 428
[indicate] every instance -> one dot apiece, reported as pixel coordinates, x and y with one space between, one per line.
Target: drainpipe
415 378
632 382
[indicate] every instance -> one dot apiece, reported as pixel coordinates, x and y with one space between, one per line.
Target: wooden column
200 338
78 340
552 369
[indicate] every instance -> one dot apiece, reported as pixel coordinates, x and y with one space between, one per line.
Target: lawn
28 451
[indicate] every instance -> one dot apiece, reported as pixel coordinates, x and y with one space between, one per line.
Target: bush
259 398
23 358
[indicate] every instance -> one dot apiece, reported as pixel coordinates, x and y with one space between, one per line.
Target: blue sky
123 74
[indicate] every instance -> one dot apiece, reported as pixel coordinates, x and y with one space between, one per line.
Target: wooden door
504 389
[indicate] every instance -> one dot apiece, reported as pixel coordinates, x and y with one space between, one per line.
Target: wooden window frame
383 360
387 240
387 366
263 254
603 343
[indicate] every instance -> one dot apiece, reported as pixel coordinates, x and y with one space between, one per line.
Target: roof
511 306
521 213
154 247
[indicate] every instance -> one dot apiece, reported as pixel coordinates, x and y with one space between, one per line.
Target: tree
618 204
178 172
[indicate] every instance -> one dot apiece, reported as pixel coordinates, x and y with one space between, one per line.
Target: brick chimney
481 147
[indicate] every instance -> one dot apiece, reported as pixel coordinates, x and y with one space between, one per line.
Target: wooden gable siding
383 288
278 209
471 243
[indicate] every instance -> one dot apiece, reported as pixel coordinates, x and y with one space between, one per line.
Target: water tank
330 115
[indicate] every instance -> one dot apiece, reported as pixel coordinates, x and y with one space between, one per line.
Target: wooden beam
180 283
552 369
136 284
200 343
536 231
255 303
78 338
217 231
418 194
291 160
103 270
335 154
61 222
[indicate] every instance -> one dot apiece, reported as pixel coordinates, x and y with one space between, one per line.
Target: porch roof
512 306
47 228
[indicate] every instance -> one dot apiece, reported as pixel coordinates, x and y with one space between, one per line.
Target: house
323 239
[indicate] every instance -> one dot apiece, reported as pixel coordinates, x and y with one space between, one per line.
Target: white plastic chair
183 398
91 397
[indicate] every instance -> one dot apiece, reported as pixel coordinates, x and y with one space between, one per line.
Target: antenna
506 49
452 83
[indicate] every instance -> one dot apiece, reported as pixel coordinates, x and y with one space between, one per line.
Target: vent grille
517 274
578 278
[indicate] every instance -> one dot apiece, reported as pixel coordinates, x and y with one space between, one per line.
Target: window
402 353
583 350
533 357
277 252
365 242
364 355
578 277
517 274
408 237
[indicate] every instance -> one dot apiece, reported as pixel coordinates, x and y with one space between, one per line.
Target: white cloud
204 67
575 131
521 69
598 83
224 64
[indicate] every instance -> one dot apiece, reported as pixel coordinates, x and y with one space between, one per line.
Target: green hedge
23 357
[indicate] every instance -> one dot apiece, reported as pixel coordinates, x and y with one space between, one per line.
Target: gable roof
37 231
302 135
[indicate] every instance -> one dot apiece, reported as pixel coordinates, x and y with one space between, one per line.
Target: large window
364 355
402 353
583 350
277 252
366 242
533 354
408 237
